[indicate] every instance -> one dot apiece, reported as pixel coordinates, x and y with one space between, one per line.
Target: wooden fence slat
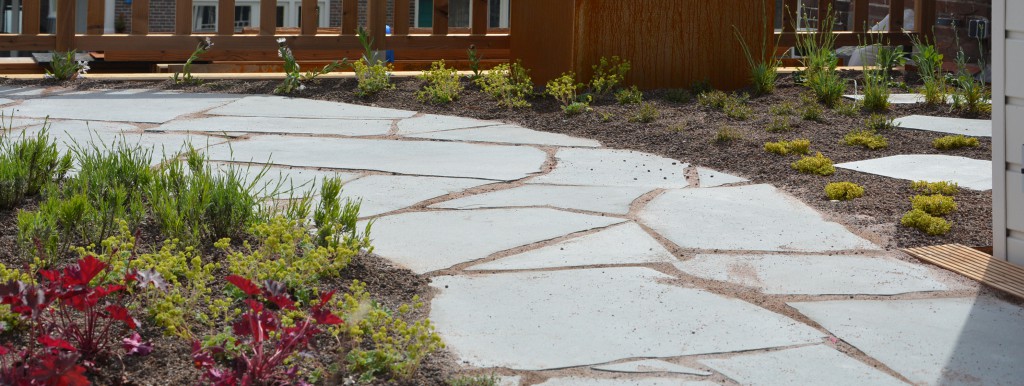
309 20
65 25
376 20
924 18
401 18
268 17
896 21
440 17
789 10
480 9
183 17
860 15
94 17
140 17
226 17
349 17
826 9
30 17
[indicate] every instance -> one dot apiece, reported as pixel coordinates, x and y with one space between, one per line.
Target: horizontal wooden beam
788 39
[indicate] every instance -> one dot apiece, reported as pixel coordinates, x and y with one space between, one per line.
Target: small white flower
280 40
302 87
49 76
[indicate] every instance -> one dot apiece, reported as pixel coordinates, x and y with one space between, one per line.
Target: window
459 13
280 16
243 17
204 18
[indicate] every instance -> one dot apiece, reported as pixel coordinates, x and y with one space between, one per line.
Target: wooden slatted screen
440 17
226 17
140 17
975 265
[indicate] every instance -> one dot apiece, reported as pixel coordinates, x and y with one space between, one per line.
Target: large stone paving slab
428 123
650 366
607 167
225 124
429 241
607 199
969 127
896 99
753 218
121 106
968 172
289 182
283 107
932 341
67 134
558 319
711 178
621 244
814 274
442 159
800 366
508 134
382 194
583 381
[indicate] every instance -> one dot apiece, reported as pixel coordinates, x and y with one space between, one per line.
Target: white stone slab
896 99
932 341
149 107
283 107
800 366
429 241
290 182
428 123
443 159
567 318
21 92
279 126
606 167
650 366
105 134
969 127
711 178
583 381
15 122
4 101
814 275
382 194
752 217
621 244
509 134
607 199
968 172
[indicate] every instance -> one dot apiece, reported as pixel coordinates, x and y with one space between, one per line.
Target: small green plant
608 75
714 99
293 76
779 125
866 138
847 109
817 164
605 116
935 205
678 95
876 91
63 66
946 188
796 146
726 135
820 61
925 222
474 380
646 114
953 142
783 109
970 94
509 84
736 108
442 86
843 191
879 122
564 90
629 96
700 86
27 164
764 67
929 68
812 112
372 79
474 61
185 76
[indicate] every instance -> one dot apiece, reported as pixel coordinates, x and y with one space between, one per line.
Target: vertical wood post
860 15
183 17
268 17
896 21
401 26
924 19
308 17
226 17
440 17
94 17
480 18
65 25
377 19
30 17
140 17
349 17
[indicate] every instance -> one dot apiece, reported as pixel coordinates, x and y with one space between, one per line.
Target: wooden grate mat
975 265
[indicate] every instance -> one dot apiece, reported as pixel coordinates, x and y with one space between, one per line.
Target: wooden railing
924 21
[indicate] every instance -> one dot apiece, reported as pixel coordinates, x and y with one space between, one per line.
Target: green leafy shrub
727 134
953 142
925 222
782 109
935 205
929 67
843 191
714 99
63 66
442 86
947 188
564 90
629 96
847 109
293 76
609 74
185 76
779 125
372 78
879 122
866 138
335 219
509 84
796 146
27 164
646 114
817 164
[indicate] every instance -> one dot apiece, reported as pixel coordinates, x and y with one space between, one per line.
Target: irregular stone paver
145 107
290 182
804 365
582 381
896 99
9 122
607 199
932 341
276 106
814 275
382 194
429 241
650 366
968 172
621 244
557 319
443 159
428 123
106 134
753 217
711 178
508 134
970 127
280 125
21 92
605 167
4 101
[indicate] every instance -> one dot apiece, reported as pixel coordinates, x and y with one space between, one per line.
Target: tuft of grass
935 205
876 90
879 122
727 134
779 125
843 191
27 164
736 108
947 188
867 138
953 142
646 114
929 67
63 66
763 65
817 164
783 109
629 96
925 222
820 60
796 146
811 110
443 85
714 99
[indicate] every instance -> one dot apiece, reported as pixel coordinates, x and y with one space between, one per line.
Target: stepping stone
711 179
804 365
429 123
21 92
581 381
752 217
968 172
607 199
279 126
650 366
382 194
4 101
443 159
621 244
606 167
508 134
814 275
106 134
146 107
932 341
896 99
8 122
429 241
569 318
969 127
293 182
283 107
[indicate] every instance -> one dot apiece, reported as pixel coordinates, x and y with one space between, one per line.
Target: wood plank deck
976 265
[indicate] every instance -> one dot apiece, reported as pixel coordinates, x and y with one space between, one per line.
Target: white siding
1008 130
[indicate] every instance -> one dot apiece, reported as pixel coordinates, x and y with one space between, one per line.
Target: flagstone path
556 261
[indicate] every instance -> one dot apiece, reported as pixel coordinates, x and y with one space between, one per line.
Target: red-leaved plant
263 342
72 320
